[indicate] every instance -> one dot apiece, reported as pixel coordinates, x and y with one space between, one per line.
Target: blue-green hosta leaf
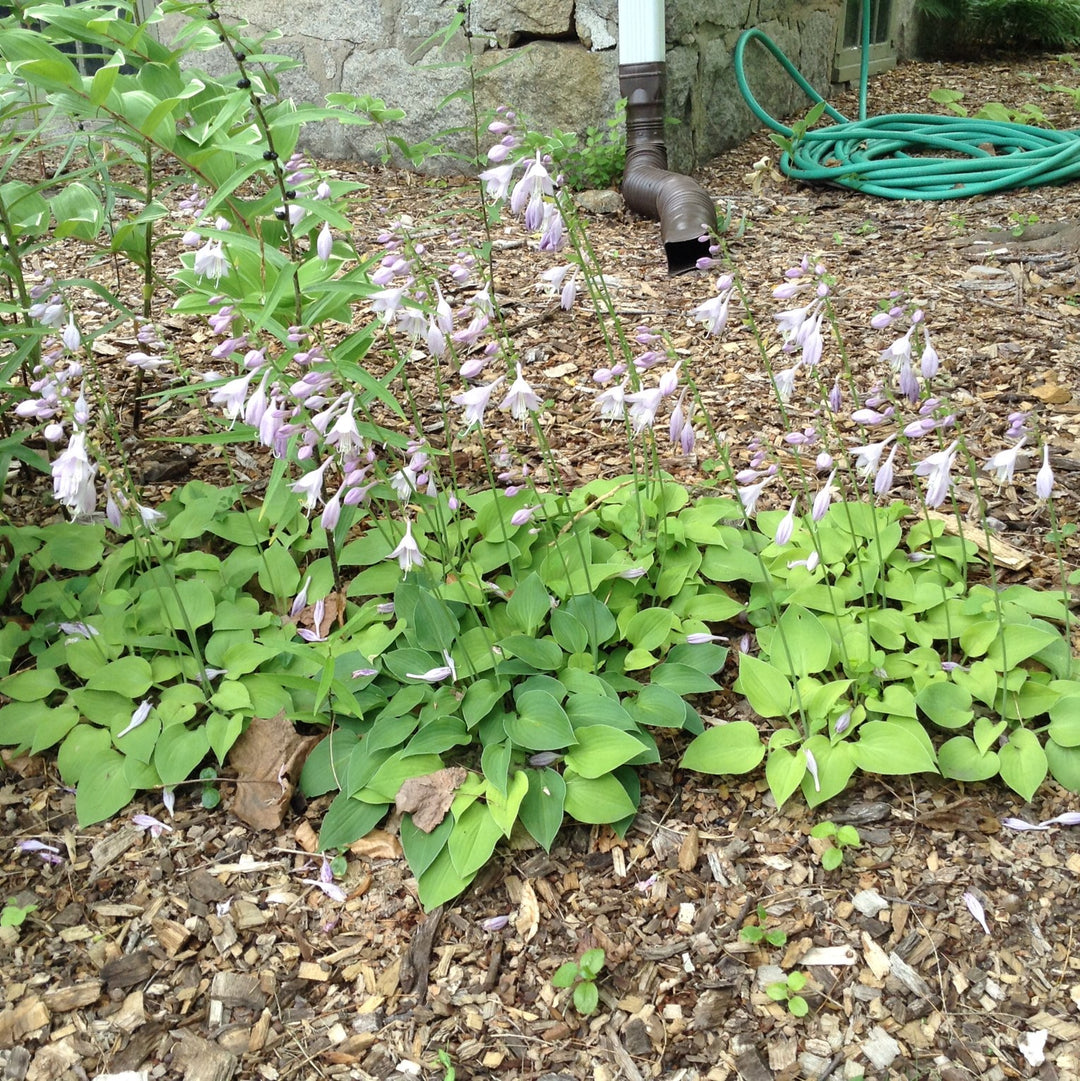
658 707
961 760
649 628
1023 762
543 654
589 709
421 849
597 800
441 882
529 605
725 749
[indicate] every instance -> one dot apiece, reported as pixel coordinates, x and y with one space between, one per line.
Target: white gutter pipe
686 212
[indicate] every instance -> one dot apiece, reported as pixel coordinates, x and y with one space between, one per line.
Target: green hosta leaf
504 808
708 658
31 685
222 731
441 882
179 752
439 736
729 748
597 800
649 628
77 210
187 603
348 820
598 709
434 626
835 765
479 700
799 646
711 605
395 771
981 680
601 749
128 676
1016 643
541 810
53 726
946 704
960 759
682 679
890 747
473 839
84 743
324 769
102 789
542 653
784 771
594 616
985 733
568 631
540 723
764 686
231 696
1023 762
896 701
658 707
421 849
1065 721
529 605
1064 763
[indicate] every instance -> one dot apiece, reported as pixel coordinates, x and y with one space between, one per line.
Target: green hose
912 156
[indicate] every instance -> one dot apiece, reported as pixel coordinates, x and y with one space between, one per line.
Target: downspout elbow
686 212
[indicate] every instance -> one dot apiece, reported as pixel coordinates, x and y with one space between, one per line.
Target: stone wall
554 61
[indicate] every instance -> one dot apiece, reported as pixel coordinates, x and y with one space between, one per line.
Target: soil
205 953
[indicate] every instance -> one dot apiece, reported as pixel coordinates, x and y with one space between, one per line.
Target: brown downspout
686 212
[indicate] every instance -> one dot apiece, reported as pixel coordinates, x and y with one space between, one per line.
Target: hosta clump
882 644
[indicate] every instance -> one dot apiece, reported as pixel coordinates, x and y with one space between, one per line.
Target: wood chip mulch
202 953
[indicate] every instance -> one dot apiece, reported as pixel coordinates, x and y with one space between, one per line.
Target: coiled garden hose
913 156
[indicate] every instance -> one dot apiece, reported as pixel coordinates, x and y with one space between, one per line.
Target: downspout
686 212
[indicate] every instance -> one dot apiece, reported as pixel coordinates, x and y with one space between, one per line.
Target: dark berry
244 84
269 155
241 57
291 193
281 213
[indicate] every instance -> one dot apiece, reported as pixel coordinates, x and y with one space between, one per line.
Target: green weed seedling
14 916
756 932
842 837
581 975
787 991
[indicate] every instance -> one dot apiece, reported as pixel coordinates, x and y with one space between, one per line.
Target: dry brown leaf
428 798
527 920
377 845
267 758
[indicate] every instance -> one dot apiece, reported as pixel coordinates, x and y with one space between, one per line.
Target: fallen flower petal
1020 824
1069 818
331 889
495 923
35 846
974 906
149 822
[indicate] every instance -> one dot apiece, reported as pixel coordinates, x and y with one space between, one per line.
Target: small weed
581 976
842 837
449 1073
1021 221
210 797
756 932
14 916
787 991
959 223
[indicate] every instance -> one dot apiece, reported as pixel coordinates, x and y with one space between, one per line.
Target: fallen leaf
527 920
267 758
428 798
377 845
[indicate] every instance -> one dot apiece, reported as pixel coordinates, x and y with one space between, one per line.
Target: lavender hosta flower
936 467
497 179
898 352
784 382
669 381
883 479
149 822
232 395
868 456
438 674
309 487
70 336
749 495
331 514
211 261
631 574
812 769
521 400
975 907
1003 464
569 293
324 245
73 477
701 638
331 889
906 383
142 711
48 314
523 515
643 406
407 552
786 527
553 234
475 401
494 923
532 187
612 401
929 362
843 722
77 631
823 499
868 417
1044 479
36 847
714 311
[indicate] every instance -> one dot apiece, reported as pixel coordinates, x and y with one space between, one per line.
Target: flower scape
382 552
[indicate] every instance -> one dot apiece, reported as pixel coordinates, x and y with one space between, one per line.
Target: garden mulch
202 954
